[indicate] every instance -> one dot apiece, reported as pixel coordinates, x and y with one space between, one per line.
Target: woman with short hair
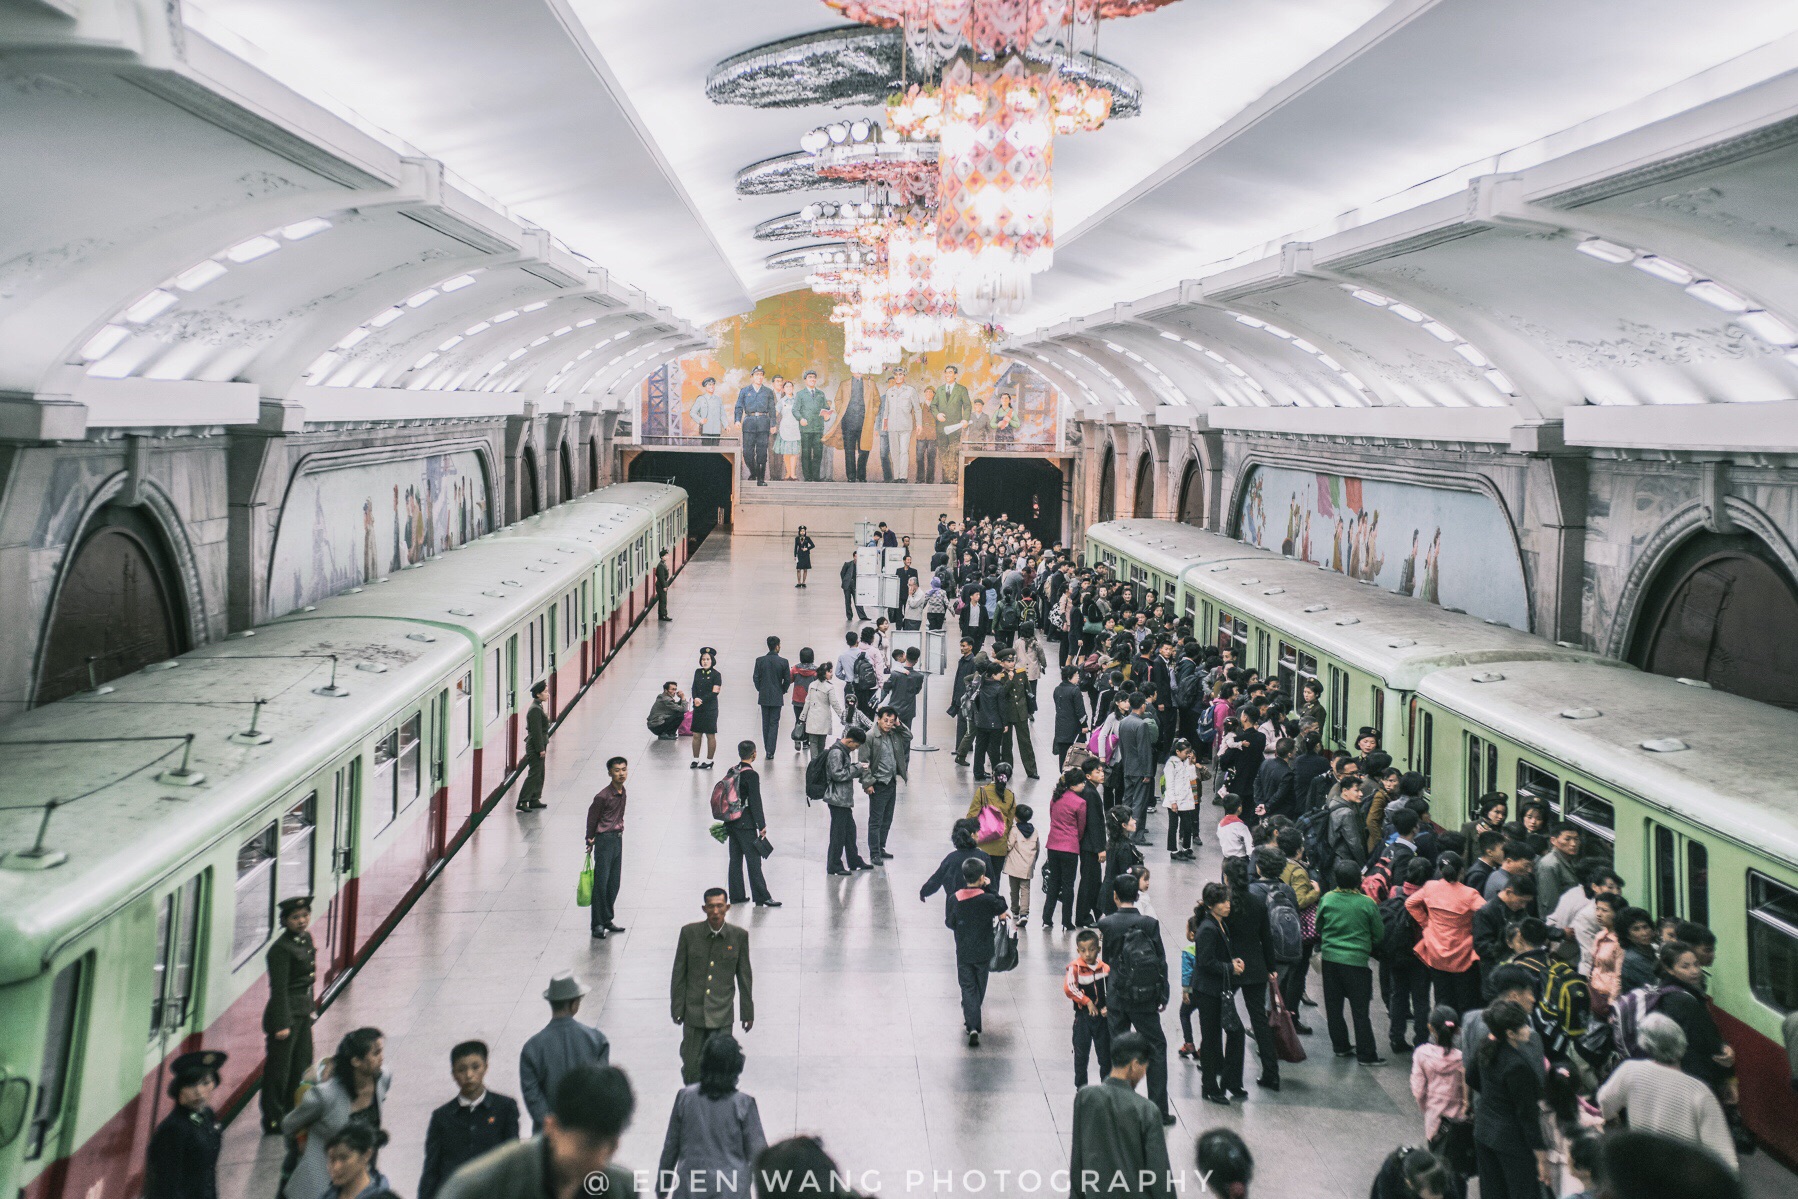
1657 1096
714 1131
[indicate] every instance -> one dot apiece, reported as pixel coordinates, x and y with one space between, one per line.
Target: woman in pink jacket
1438 1079
1443 909
1067 822
1607 955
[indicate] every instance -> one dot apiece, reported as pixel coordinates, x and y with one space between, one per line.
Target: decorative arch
1108 484
1189 505
529 497
565 467
1143 502
593 462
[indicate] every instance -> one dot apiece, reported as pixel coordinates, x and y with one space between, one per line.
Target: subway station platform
857 1035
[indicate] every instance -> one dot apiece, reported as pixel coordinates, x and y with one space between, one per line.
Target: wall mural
347 525
1453 548
1005 407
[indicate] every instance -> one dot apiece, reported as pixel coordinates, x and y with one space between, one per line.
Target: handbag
1308 924
583 886
1232 1019
1453 1143
686 723
762 846
992 824
1005 947
1285 1029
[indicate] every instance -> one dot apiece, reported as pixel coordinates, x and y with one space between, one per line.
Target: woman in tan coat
998 795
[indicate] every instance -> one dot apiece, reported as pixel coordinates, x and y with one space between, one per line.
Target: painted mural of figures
1407 575
1336 548
1305 540
370 566
1432 574
1357 537
1292 527
1371 561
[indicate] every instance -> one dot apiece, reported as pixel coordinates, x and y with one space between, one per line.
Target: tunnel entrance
1027 490
706 477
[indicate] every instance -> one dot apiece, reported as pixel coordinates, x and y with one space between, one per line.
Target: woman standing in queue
352 1095
803 545
1507 1109
707 683
1214 976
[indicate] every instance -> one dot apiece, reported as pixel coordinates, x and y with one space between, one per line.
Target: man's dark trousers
742 850
770 728
1138 792
972 976
1352 985
855 459
1148 1023
842 840
608 869
880 815
1086 903
811 457
1254 997
755 453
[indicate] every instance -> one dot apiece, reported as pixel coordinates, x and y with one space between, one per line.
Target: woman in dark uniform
803 545
707 683
184 1153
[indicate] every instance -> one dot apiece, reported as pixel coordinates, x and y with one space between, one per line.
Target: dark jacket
457 1135
1112 931
1489 934
993 706
771 678
1117 1133
1305 769
973 924
963 668
536 731
1317 791
1687 1009
749 790
1136 747
1213 954
1273 789
1348 831
1507 1110
902 693
1244 760
1092 838
1639 969
1252 934
947 879
1070 712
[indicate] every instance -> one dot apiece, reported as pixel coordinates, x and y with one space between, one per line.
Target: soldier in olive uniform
184 1153
536 744
711 960
287 1020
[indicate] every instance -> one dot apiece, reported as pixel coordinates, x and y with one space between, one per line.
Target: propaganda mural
1453 548
347 525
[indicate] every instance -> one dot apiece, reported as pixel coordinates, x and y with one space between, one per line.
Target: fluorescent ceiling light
1440 331
385 317
1278 332
322 363
539 341
422 298
1250 321
110 368
456 284
592 320
1471 352
1171 336
505 316
104 342
1497 379
196 277
534 307
515 355
452 343
1664 268
1405 310
1370 297
1330 362
1768 328
250 251
151 306
425 361
564 329
1605 251
301 230
353 337
1718 296
1306 346
478 327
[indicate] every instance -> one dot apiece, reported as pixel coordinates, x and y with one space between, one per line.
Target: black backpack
1138 971
1314 827
865 679
1402 931
817 777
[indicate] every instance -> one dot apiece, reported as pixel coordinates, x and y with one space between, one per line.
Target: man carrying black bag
747 833
975 910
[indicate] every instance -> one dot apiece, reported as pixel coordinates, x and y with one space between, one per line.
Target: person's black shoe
837 872
1373 1061
614 928
767 903
600 934
862 866
1304 1030
1401 1046
271 1128
1168 1119
1215 1097
693 765
973 1039
666 737
1239 1093
1307 1001
1345 1053
1268 1084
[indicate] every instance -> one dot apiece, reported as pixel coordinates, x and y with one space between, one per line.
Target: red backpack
727 805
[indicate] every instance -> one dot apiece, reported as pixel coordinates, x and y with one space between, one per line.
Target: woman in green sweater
1350 929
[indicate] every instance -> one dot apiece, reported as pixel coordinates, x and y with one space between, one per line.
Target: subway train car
149 828
1686 790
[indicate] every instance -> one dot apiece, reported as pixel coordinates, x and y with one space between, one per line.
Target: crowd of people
1539 1009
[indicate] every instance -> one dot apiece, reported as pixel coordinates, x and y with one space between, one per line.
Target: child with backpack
1084 983
803 674
1188 956
1021 848
1234 836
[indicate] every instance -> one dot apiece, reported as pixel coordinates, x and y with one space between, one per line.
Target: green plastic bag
719 833
583 889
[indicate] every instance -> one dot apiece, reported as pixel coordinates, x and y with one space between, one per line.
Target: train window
1597 820
177 936
1339 702
1666 872
1378 698
1263 650
411 750
464 718
255 918
1533 782
586 610
59 1051
1428 760
1773 942
1698 883
299 829
1167 589
496 687
1482 770
568 616
1233 635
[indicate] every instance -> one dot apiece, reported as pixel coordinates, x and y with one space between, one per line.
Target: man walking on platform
711 976
1136 754
287 1019
1138 992
810 407
771 677
840 772
746 831
605 840
664 577
536 744
884 751
755 413
558 1047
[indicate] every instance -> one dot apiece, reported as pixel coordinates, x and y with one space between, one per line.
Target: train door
51 1133
177 949
1339 705
1482 771
514 728
1263 651
1679 873
552 654
340 917
439 734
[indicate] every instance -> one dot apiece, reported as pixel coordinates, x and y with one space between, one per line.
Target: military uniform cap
295 904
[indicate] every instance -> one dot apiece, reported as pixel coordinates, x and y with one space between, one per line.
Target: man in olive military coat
287 1020
711 963
536 744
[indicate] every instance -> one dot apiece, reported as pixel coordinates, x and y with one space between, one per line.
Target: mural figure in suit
858 417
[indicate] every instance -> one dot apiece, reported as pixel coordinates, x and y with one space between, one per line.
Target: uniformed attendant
287 1020
536 744
711 960
184 1153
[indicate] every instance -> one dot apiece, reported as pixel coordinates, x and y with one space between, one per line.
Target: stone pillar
521 431
257 469
1554 528
556 428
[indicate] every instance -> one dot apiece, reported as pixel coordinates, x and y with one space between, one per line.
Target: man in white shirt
1577 913
899 410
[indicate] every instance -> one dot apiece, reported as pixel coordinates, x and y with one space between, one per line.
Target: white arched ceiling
1204 378
1150 384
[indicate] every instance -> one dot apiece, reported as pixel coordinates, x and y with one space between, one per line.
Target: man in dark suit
1134 1003
711 963
1136 754
536 744
747 831
1092 843
772 677
472 1123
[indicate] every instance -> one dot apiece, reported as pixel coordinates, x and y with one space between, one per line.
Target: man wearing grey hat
559 1046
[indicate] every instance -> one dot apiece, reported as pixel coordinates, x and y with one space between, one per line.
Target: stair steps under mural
833 508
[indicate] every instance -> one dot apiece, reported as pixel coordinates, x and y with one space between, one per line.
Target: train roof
122 827
1721 762
659 498
1168 546
1393 637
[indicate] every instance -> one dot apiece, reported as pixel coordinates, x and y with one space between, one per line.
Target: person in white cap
559 1046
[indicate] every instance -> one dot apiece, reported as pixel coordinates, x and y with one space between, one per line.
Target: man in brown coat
711 963
857 409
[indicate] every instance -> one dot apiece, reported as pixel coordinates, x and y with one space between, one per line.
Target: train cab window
1339 704
1233 635
299 831
59 1052
1597 820
255 919
396 776
1533 782
1666 872
1423 742
1773 942
1482 770
1167 590
177 940
464 717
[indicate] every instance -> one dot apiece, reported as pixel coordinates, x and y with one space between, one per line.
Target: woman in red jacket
1067 822
1443 909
